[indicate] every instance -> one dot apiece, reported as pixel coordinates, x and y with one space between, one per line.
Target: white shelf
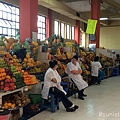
7 93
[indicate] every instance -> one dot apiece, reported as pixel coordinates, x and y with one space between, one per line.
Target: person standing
95 67
74 71
52 85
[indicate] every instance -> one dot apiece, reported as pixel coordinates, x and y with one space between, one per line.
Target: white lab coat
95 66
80 83
49 75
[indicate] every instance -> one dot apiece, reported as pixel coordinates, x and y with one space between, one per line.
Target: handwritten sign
91 26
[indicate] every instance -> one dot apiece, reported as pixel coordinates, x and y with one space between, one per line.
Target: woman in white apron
74 71
52 85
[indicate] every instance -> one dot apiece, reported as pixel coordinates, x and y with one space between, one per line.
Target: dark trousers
95 80
80 93
66 102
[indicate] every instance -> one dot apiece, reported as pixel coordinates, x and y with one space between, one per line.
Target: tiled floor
102 103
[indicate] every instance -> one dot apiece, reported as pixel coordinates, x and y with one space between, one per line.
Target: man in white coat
74 71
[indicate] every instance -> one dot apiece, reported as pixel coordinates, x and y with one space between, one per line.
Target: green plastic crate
35 98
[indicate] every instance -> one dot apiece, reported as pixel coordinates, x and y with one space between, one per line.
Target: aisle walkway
102 103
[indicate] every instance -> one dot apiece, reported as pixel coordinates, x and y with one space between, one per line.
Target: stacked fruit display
61 68
61 55
44 66
106 61
15 100
2 52
29 79
16 62
29 62
35 70
8 84
3 64
19 80
35 46
2 74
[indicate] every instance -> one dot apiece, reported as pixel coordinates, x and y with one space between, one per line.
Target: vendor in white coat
52 85
95 67
74 71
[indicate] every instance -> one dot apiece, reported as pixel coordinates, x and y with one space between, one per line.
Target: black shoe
71 109
81 98
97 83
84 95
76 107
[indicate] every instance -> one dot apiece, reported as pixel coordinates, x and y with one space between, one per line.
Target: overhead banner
91 26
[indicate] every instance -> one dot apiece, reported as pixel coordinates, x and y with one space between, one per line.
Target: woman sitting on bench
52 85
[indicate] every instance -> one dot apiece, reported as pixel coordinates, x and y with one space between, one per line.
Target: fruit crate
35 98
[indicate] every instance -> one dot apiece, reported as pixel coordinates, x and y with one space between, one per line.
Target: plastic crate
35 98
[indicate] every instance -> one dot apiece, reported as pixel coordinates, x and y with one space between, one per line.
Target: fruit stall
14 76
23 65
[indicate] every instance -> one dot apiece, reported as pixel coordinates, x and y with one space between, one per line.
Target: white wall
110 37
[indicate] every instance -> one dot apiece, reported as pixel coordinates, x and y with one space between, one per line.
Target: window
56 27
73 33
63 30
68 31
41 27
9 20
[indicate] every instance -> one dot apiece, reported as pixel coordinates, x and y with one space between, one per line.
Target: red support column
49 24
95 14
28 18
77 32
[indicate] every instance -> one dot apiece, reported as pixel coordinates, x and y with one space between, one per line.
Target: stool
72 86
115 71
65 86
53 104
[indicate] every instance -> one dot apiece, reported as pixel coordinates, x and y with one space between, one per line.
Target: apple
1 83
8 80
6 84
1 87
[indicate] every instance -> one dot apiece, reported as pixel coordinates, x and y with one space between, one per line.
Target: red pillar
49 24
28 18
77 32
95 14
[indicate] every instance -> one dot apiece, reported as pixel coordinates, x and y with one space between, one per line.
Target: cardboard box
68 49
16 117
73 53
15 114
44 60
42 56
40 48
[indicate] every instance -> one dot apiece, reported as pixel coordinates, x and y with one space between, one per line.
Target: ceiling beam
71 0
61 8
103 14
64 9
112 3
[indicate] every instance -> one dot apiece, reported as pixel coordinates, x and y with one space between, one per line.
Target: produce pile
29 79
29 62
15 100
3 63
13 77
106 61
61 55
8 84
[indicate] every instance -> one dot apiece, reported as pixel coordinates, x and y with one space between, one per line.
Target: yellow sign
91 26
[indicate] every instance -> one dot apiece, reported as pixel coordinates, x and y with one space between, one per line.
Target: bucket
4 115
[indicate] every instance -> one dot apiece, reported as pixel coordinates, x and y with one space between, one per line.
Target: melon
27 56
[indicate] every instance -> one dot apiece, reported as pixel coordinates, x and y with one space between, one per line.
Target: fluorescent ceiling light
103 18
